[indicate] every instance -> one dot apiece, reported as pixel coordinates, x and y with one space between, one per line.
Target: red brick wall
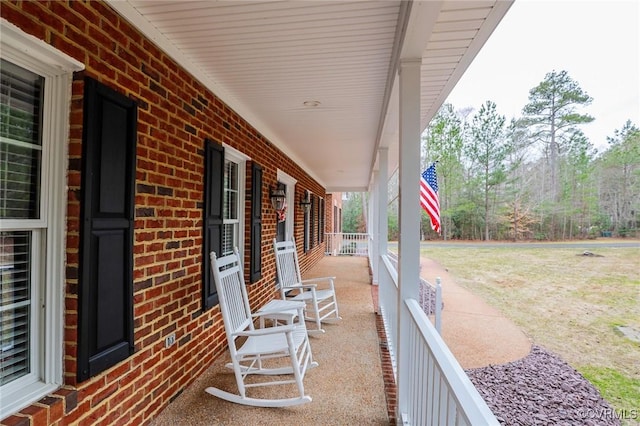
333 199
175 114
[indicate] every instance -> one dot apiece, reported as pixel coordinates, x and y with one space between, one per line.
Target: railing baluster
438 306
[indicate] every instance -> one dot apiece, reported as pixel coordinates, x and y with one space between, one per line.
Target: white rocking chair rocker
284 348
320 300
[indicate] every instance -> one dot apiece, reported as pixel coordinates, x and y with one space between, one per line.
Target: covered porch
345 90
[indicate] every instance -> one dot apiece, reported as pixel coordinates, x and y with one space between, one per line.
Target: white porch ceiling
265 59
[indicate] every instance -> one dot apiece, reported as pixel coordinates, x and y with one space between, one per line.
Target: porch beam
409 217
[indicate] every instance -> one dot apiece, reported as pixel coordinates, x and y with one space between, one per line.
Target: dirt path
477 334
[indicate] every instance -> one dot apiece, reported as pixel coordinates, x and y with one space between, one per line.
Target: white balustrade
441 392
347 244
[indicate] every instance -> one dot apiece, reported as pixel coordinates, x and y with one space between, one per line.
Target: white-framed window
35 93
233 201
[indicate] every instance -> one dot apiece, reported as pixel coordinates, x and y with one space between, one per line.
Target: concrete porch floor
347 387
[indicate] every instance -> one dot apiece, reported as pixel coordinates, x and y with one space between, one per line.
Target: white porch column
382 201
381 224
374 228
409 220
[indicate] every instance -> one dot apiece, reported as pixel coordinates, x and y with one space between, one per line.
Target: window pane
230 190
20 142
228 239
20 177
15 277
230 175
21 94
230 204
230 207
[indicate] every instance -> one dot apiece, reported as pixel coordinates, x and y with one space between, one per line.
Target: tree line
534 177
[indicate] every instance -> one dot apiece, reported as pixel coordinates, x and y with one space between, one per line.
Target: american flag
429 196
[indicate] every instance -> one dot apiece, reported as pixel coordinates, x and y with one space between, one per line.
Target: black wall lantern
305 202
278 198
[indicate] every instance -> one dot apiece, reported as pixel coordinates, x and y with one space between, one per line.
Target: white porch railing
441 392
388 305
347 244
430 296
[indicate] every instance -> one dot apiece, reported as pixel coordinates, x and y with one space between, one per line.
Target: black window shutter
306 232
255 270
213 217
312 230
322 215
320 220
105 326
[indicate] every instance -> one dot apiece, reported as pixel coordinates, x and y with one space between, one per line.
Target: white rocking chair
284 348
320 300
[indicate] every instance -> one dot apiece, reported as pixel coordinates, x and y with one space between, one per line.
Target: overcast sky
596 42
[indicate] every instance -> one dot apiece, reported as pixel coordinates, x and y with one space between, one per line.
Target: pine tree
552 118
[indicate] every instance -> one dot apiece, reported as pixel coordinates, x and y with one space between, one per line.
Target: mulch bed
541 389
